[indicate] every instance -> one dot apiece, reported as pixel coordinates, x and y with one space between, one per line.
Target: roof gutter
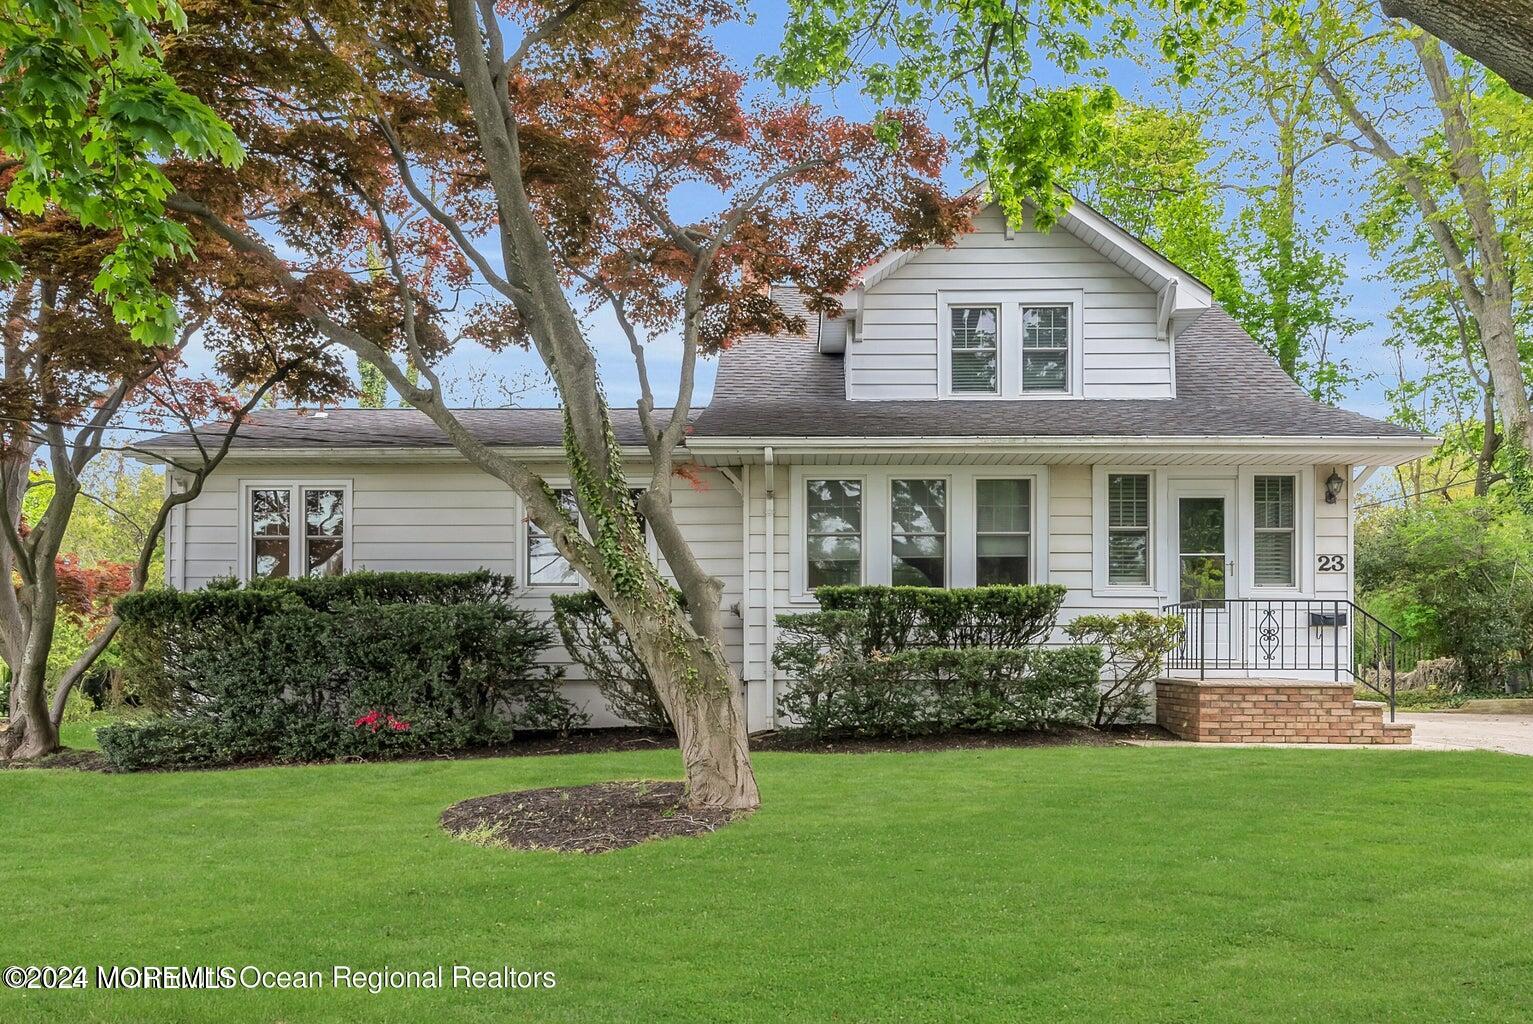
751 445
392 453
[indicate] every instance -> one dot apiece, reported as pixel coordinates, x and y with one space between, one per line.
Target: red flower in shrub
375 720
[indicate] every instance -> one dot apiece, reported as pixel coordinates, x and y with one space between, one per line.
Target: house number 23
1332 563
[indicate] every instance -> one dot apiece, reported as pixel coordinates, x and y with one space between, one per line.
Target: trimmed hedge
322 593
906 661
367 665
902 617
920 691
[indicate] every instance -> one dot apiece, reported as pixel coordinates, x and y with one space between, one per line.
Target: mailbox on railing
1319 620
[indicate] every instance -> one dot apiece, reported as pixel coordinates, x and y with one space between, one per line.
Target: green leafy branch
88 116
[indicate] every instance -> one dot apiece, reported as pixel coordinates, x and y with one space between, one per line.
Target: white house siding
1071 549
446 517
896 353
443 518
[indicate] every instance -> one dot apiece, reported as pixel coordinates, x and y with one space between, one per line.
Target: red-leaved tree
72 381
528 165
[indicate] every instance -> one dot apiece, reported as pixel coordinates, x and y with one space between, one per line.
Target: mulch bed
616 740
68 757
580 819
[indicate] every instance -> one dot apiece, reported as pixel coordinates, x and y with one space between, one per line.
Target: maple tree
521 169
73 377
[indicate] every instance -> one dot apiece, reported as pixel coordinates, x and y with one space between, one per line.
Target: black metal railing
1277 635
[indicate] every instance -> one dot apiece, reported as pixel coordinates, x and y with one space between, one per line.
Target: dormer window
976 334
1001 344
1045 349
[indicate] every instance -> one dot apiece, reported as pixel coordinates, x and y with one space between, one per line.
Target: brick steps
1272 711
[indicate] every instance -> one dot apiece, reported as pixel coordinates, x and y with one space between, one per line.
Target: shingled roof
783 387
1227 386
284 429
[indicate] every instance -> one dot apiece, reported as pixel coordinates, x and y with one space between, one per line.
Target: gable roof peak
1093 228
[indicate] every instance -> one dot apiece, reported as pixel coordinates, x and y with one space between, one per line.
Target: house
1066 407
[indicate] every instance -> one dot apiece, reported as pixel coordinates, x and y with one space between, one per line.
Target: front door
1203 573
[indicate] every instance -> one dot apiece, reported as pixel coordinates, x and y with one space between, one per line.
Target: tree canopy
88 115
516 170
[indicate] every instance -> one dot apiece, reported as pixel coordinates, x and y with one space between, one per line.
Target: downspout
176 568
745 582
769 582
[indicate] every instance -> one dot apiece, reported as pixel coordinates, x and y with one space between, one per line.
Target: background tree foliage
1455 577
88 115
986 62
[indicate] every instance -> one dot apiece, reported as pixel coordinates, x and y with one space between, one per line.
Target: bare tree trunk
32 732
1492 304
702 695
1285 334
1485 284
1490 443
1498 337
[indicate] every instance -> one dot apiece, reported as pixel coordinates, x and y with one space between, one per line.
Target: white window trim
1010 302
1072 349
1159 515
802 506
523 566
877 526
798 525
945 332
295 486
1304 530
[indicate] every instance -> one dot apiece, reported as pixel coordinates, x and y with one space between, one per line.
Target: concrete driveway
1510 734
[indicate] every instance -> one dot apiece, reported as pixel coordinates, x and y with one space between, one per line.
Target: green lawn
1057 884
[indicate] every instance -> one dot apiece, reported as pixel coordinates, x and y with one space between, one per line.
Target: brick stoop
1272 711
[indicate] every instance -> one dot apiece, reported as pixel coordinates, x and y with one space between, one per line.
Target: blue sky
476 377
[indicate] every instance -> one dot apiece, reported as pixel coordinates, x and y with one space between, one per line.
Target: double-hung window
1002 531
918 532
545 566
976 352
1045 349
833 532
1275 541
296 530
1128 529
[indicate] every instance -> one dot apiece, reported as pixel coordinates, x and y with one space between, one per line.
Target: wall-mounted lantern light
1334 485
